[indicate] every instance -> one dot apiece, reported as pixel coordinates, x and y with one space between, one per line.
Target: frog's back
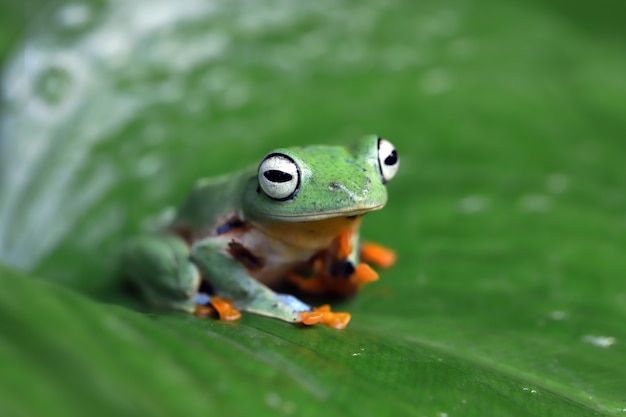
210 201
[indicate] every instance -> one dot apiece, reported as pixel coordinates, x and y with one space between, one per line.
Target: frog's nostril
333 186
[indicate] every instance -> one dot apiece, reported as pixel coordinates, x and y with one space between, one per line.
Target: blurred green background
508 213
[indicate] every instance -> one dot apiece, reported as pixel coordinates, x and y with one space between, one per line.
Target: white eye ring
388 159
279 176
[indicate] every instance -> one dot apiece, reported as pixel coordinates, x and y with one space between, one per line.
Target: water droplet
235 97
537 203
461 48
444 23
473 204
148 165
599 341
399 57
55 87
435 81
52 85
557 183
74 15
558 315
350 52
272 400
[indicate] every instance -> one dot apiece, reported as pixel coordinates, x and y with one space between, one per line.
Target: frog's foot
303 313
377 254
284 306
345 287
159 267
342 285
323 315
363 274
210 306
225 309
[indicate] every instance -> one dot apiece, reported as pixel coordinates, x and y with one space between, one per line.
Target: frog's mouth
312 217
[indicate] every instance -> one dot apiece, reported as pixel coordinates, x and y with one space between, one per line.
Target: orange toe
337 320
324 315
344 248
312 317
225 309
364 273
378 254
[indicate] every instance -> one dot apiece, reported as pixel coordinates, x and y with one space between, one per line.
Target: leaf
507 212
71 356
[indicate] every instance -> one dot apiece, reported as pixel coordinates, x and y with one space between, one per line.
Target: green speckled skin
335 180
353 171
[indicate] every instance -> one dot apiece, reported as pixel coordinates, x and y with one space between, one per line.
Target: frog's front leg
159 267
231 280
343 268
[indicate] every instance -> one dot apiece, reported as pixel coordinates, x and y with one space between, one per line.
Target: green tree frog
292 218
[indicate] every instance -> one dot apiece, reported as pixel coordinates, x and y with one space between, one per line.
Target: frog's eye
388 159
279 176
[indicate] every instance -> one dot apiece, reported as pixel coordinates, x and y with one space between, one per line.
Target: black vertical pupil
275 175
392 158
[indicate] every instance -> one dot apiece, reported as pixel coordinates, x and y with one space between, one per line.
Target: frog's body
297 213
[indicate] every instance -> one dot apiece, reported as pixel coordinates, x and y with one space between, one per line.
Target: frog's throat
300 240
310 217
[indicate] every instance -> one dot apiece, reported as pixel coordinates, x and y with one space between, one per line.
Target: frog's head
320 182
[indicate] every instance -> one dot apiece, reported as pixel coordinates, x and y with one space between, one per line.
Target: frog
292 219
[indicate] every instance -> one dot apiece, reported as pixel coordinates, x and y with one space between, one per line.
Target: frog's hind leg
159 267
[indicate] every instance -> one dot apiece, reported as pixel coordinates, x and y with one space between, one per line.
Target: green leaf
507 212
71 356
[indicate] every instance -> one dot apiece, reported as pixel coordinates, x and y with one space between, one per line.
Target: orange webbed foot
323 315
377 254
310 318
225 309
336 320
